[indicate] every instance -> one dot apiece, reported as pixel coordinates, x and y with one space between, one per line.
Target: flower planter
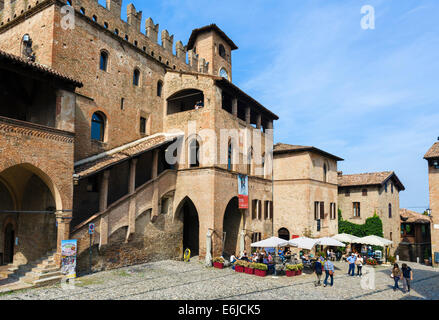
218 265
260 273
291 273
249 270
298 272
239 269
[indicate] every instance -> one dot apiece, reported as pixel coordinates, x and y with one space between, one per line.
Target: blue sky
368 96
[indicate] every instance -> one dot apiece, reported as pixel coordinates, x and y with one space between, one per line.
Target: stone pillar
103 200
155 196
132 208
235 107
63 220
258 121
247 115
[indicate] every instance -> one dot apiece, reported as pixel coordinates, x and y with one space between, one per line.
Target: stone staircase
41 272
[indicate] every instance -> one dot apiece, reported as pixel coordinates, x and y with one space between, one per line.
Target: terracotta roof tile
10 58
433 152
372 178
285 148
86 168
413 217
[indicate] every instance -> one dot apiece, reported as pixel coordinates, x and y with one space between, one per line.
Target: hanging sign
68 253
243 191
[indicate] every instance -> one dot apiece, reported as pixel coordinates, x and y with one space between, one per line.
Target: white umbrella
374 241
303 243
330 242
272 242
344 237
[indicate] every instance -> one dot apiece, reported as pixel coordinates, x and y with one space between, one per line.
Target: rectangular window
254 209
332 211
322 210
259 210
256 236
364 192
122 103
316 210
347 193
356 208
142 125
266 210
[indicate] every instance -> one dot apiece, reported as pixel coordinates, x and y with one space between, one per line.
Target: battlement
109 17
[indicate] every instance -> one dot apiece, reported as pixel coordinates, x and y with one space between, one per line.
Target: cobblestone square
173 280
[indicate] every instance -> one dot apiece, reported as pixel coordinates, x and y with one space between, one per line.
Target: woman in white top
359 263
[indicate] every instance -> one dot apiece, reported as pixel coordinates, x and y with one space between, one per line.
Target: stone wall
433 175
298 184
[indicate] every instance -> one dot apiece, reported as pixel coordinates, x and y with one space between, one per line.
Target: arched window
283 233
98 126
136 77
104 61
390 210
159 88
222 51
325 172
194 150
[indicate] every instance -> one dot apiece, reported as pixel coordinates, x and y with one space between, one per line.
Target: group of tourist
326 265
405 274
355 260
257 257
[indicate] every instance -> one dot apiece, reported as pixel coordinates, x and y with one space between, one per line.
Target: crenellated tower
211 45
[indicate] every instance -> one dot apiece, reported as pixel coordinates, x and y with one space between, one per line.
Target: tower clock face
224 74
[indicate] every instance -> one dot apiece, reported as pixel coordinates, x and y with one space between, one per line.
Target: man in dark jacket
318 269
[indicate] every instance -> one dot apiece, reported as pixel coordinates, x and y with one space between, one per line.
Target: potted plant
260 269
218 262
426 257
291 270
391 259
240 266
248 268
299 269
371 262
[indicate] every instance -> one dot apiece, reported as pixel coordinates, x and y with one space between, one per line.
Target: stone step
45 270
32 277
47 281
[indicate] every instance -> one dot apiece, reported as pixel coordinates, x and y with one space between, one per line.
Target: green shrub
300 266
259 266
391 259
241 263
291 267
218 259
373 226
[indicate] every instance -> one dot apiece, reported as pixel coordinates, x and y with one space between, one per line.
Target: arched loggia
232 224
187 213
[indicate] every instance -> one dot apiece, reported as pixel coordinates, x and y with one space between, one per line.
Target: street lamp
429 212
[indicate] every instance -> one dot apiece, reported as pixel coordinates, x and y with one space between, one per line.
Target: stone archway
231 228
31 205
283 233
187 213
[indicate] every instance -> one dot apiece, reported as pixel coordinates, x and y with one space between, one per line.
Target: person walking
329 270
318 268
396 275
359 262
351 260
407 277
